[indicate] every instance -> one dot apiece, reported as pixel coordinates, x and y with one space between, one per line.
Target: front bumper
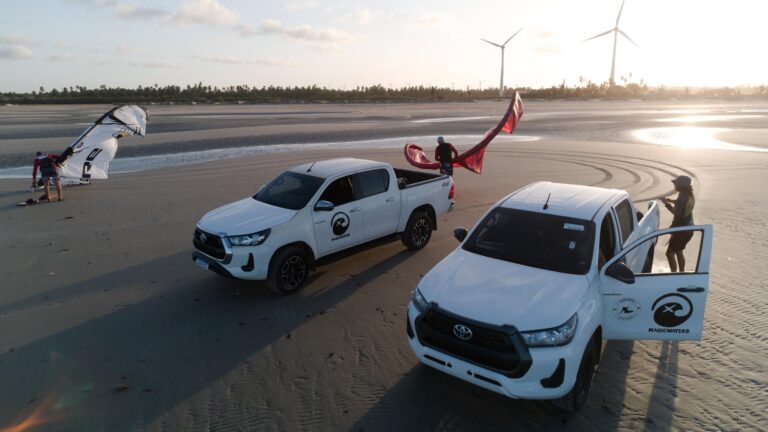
543 367
241 262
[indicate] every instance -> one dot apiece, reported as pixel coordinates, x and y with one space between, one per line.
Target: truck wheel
576 398
288 270
418 231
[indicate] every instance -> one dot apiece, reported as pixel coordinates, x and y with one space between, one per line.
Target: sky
344 44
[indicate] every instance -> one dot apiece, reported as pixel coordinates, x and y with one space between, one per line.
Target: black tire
288 270
418 231
577 397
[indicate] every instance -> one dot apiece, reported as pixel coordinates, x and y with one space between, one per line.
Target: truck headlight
557 336
250 239
419 301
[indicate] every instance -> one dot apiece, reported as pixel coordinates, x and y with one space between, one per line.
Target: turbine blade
597 36
510 38
618 17
494 44
628 38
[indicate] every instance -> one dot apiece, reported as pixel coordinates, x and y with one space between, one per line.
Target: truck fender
300 244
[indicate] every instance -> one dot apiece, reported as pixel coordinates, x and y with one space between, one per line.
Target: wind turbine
501 80
615 30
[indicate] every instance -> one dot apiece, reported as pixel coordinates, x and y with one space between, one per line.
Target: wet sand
106 324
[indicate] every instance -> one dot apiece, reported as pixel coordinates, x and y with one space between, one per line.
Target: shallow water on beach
144 163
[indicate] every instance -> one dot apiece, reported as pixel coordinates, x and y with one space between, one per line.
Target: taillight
453 191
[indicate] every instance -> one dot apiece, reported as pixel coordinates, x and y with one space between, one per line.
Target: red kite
471 159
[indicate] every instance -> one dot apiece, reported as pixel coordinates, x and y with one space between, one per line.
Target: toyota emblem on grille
203 237
462 332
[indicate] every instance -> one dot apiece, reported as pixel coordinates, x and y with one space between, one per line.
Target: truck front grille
497 348
209 244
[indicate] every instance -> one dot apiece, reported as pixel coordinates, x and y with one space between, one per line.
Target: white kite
89 156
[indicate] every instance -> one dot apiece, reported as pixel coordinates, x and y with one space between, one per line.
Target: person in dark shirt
445 153
682 211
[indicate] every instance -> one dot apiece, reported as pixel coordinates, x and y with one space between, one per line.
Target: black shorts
446 168
679 241
46 173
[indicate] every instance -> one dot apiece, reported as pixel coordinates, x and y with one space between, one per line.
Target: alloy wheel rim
421 231
293 272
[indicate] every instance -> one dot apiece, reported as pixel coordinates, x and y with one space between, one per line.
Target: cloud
15 52
205 12
130 11
429 20
360 16
152 65
544 35
62 56
324 38
124 49
237 61
15 39
300 4
548 48
125 10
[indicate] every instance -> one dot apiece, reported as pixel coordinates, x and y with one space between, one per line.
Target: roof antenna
546 204
310 167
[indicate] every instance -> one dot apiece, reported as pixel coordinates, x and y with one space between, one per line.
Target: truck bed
409 178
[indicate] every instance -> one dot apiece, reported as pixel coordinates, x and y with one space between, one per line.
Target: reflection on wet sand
691 137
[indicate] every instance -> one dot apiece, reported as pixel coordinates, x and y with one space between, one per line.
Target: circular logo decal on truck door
340 223
671 310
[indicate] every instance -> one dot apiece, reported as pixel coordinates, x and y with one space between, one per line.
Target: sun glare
691 137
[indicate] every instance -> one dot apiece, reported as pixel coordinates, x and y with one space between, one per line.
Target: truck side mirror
324 205
620 272
460 234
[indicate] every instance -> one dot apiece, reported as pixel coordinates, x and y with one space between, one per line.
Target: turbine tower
501 80
615 30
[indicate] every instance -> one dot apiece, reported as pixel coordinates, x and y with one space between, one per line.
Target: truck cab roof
576 201
327 168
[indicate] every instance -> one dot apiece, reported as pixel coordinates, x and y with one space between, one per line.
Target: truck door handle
691 289
390 199
356 209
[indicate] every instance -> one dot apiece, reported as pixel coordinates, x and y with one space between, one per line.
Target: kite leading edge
471 159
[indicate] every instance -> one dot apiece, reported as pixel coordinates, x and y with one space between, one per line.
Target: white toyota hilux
315 213
522 306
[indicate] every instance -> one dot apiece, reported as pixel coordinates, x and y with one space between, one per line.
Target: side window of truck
339 192
626 219
607 247
370 183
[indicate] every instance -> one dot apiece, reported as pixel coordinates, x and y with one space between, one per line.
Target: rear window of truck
533 239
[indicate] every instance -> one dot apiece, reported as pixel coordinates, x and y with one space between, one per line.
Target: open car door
658 303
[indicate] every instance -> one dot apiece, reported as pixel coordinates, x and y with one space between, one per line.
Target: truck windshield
289 190
539 240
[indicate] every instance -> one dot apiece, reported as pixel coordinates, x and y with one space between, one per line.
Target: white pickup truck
315 213
522 306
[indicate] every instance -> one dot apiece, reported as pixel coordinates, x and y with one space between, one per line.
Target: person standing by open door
682 210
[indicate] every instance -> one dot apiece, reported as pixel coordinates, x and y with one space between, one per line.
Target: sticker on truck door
671 310
340 226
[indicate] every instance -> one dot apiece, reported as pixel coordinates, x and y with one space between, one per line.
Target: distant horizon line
381 86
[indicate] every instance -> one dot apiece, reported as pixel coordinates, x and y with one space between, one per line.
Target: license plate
201 263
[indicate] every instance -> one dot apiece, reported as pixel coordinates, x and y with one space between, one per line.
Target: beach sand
107 324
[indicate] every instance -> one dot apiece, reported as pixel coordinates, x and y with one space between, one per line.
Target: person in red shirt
445 153
46 163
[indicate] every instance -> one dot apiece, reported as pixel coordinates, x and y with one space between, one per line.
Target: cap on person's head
440 140
682 181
